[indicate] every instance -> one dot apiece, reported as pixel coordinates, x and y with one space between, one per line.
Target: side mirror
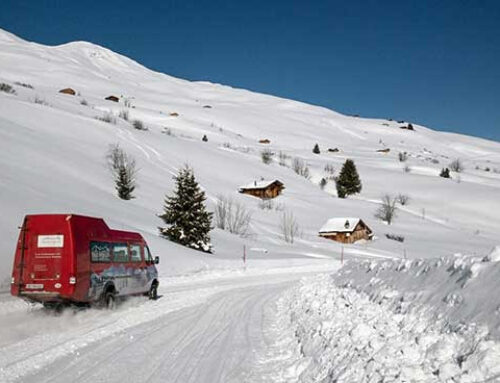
157 260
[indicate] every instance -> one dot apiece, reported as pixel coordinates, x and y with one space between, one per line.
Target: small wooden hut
345 230
113 98
68 91
263 189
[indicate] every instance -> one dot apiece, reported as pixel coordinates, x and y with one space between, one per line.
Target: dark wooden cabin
263 189
113 98
69 91
345 230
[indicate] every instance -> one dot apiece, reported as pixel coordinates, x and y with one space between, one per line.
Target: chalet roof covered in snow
257 185
340 225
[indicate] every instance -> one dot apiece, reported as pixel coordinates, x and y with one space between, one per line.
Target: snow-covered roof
340 225
259 185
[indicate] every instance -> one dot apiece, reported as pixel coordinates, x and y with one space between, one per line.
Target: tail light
12 280
72 280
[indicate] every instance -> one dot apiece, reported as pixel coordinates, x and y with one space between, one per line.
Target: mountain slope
52 159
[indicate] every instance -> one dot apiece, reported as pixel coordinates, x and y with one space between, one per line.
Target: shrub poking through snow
445 173
289 227
283 157
457 166
204 138
323 183
123 114
387 210
316 149
83 102
189 223
107 117
266 204
406 169
348 182
6 88
40 101
24 85
124 171
403 199
395 237
267 156
330 171
139 125
300 167
232 216
402 156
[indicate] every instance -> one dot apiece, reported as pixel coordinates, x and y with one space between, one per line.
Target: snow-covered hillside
52 159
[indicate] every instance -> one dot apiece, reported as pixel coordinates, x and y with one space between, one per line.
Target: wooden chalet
263 189
69 91
345 230
112 98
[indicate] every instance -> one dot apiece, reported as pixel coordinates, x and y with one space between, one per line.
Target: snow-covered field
393 294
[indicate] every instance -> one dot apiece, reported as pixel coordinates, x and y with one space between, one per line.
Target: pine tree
348 181
316 149
185 213
445 173
123 168
124 183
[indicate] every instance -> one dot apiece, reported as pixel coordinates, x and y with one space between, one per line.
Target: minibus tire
153 292
109 301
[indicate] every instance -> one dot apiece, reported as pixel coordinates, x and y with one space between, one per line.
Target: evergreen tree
185 213
316 149
445 173
348 181
125 184
124 171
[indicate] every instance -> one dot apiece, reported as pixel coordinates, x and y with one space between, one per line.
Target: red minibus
69 258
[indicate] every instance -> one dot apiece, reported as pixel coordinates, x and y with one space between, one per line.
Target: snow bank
420 321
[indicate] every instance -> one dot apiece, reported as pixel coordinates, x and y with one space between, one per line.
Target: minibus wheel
153 292
109 301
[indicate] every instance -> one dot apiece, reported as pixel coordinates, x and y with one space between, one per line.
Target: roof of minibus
118 234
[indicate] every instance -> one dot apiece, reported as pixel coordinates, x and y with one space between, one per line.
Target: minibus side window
147 255
120 252
100 252
135 253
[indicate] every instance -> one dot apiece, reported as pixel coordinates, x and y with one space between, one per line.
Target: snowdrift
433 320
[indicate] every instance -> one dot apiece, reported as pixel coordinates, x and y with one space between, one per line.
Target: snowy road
210 330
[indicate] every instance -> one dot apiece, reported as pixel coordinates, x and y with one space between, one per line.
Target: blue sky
435 63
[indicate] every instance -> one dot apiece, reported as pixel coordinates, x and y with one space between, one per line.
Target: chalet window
120 252
100 252
135 253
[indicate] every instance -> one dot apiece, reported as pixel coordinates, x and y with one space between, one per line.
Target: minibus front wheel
153 292
109 301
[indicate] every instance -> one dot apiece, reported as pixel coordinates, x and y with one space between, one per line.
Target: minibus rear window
100 252
120 252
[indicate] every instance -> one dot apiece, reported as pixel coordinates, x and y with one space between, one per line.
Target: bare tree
289 227
387 210
300 167
267 156
124 171
457 166
403 199
232 216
